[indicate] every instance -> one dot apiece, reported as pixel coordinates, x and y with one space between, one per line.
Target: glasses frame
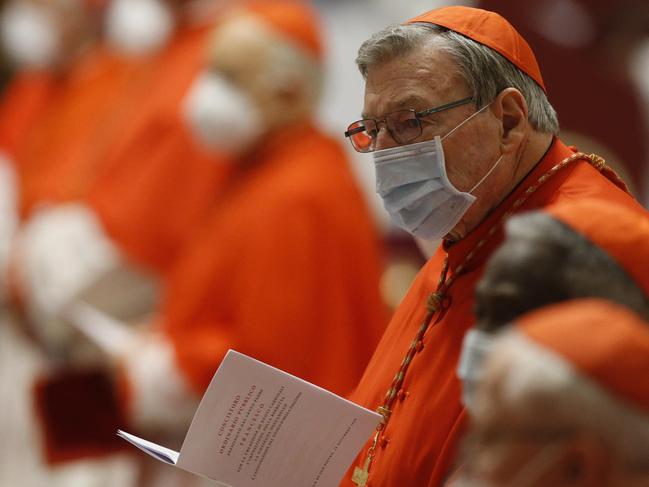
383 121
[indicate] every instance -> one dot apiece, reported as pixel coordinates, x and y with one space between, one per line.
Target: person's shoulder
593 180
587 182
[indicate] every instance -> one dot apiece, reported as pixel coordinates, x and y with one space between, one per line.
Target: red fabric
157 194
64 148
294 19
620 232
286 269
423 430
490 29
158 184
616 354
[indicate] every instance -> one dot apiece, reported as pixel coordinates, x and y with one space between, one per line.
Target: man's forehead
419 80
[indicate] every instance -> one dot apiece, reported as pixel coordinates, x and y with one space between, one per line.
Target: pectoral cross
360 476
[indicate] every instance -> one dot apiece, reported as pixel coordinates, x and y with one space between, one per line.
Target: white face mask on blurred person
29 36
476 347
138 27
220 115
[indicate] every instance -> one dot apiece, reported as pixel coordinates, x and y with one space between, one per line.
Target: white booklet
259 426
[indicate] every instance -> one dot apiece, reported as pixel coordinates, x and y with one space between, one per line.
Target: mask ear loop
487 175
457 127
465 121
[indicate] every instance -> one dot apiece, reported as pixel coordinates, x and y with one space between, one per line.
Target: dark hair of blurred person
581 249
563 401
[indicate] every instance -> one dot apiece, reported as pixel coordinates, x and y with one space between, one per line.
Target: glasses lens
362 135
404 126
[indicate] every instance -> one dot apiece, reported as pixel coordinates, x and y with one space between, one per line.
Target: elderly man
563 401
456 109
580 249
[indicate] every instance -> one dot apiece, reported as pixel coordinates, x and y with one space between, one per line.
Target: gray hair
549 388
485 71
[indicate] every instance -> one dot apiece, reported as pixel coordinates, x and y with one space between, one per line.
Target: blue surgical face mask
415 188
476 347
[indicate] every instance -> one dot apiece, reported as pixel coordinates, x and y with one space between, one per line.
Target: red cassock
419 444
286 269
109 131
63 149
158 184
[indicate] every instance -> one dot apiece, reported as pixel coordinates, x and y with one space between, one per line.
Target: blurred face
518 439
521 275
516 280
239 54
253 85
509 446
231 105
428 78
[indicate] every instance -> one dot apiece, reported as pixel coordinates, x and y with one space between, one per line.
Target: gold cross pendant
360 476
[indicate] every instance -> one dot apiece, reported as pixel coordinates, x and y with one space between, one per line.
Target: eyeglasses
404 126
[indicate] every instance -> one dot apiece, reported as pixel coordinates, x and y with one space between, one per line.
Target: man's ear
511 109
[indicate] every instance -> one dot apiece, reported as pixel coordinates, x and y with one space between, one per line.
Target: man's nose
384 140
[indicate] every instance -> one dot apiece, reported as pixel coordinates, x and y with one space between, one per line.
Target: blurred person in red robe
286 268
42 41
457 111
562 401
103 100
575 250
584 252
115 98
48 42
94 103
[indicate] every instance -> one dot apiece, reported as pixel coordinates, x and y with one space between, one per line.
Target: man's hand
160 397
